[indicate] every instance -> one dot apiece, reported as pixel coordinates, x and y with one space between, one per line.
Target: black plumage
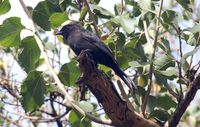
81 39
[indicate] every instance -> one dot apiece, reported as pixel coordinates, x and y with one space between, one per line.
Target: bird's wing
94 39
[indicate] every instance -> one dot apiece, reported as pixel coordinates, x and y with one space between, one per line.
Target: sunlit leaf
137 64
101 12
83 13
145 5
163 62
191 38
170 72
56 19
193 29
10 32
127 23
4 6
185 56
42 12
86 106
148 17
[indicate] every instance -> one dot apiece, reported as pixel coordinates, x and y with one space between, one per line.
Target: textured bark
185 102
103 89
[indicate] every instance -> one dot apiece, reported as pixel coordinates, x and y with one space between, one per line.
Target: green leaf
86 106
94 1
170 72
145 5
42 12
185 4
120 40
10 32
148 17
76 120
164 45
127 23
32 91
185 56
101 12
160 79
163 62
151 102
160 114
191 38
4 6
117 9
83 13
69 73
30 54
193 29
161 102
56 19
170 18
134 49
135 64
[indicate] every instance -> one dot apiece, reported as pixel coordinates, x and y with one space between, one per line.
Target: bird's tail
126 79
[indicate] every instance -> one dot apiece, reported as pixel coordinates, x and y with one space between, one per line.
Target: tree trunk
103 89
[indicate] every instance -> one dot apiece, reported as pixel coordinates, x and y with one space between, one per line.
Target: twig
93 19
122 6
68 100
180 42
179 64
143 108
184 103
172 92
10 120
146 32
123 93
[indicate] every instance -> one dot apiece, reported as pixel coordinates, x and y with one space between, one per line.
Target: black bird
81 39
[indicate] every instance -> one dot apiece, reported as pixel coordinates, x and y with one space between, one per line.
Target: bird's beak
59 33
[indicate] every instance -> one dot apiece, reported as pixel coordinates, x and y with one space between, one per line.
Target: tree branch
93 19
103 89
9 120
152 58
184 103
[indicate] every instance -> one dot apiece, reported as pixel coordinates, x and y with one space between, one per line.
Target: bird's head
65 30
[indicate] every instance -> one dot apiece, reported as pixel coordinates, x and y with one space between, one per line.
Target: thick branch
192 90
103 89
